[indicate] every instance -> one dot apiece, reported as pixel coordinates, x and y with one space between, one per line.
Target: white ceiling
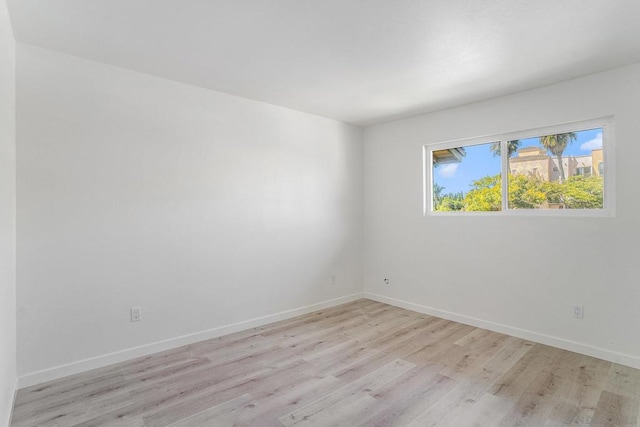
358 61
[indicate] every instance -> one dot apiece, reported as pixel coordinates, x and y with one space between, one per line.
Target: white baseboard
144 350
600 353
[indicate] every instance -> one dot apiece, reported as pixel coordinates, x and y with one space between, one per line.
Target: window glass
555 172
545 169
467 178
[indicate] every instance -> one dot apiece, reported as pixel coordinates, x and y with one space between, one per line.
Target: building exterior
534 161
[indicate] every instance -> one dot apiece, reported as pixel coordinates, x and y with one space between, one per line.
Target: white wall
202 208
7 217
463 268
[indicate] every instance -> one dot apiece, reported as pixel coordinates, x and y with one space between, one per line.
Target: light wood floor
359 364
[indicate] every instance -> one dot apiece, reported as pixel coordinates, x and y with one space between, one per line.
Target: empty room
349 213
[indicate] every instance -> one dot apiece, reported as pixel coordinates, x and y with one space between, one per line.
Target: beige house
535 162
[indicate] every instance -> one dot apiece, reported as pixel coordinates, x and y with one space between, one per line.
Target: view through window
551 171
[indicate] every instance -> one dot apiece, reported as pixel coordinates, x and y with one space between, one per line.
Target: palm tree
556 144
512 147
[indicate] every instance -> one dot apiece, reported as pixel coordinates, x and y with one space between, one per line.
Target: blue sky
480 161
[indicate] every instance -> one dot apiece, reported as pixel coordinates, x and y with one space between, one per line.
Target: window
456 169
583 171
538 171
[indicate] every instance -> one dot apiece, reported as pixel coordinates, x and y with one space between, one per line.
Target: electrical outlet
333 279
578 311
136 314
387 281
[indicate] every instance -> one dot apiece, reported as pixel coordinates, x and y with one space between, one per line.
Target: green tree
581 192
556 144
577 192
485 195
512 147
449 203
525 193
437 195
553 192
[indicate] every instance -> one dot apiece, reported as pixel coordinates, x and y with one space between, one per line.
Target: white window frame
608 210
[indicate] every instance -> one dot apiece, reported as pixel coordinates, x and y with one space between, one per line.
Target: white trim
504 173
577 347
146 349
608 133
427 179
609 155
585 213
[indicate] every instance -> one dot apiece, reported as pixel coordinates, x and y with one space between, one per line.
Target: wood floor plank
267 383
404 399
97 377
624 381
532 365
452 406
350 392
614 410
343 413
224 414
461 359
535 403
500 362
275 406
68 408
488 411
359 364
